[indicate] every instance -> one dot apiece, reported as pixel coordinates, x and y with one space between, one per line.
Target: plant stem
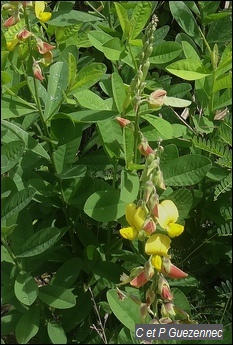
12 255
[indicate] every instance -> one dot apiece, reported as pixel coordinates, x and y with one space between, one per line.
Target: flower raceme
135 216
167 217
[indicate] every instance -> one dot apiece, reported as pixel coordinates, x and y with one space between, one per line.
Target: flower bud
153 204
44 47
150 297
167 310
148 188
156 99
47 59
140 280
23 34
144 147
171 270
164 289
14 19
149 226
158 179
37 71
122 121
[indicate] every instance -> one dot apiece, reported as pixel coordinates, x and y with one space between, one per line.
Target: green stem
109 14
136 130
12 255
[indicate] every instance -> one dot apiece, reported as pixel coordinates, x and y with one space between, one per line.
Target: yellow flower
39 11
158 244
135 216
167 217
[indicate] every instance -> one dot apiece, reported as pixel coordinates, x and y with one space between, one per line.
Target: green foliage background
69 169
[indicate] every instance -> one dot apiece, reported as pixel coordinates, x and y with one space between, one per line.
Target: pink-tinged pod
174 272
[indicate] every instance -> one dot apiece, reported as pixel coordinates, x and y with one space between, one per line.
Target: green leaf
30 142
176 102
183 199
90 100
72 69
64 33
17 202
74 172
179 90
39 242
9 322
128 144
26 289
107 272
163 127
141 14
28 325
223 82
73 317
14 107
165 52
129 186
88 76
98 38
126 310
64 155
111 136
181 301
5 256
189 52
13 151
57 83
67 274
5 77
62 130
57 297
123 19
92 116
118 90
56 333
184 18
113 49
71 17
105 206
186 170
188 69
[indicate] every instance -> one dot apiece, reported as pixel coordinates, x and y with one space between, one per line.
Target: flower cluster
17 9
155 223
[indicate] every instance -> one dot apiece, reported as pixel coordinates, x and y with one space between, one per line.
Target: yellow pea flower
39 11
158 244
167 217
135 216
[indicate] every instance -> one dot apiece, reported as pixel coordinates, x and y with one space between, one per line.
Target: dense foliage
89 91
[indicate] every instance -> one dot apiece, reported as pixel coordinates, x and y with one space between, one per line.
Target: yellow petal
174 229
158 244
129 233
156 262
45 16
130 210
168 213
139 218
39 7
